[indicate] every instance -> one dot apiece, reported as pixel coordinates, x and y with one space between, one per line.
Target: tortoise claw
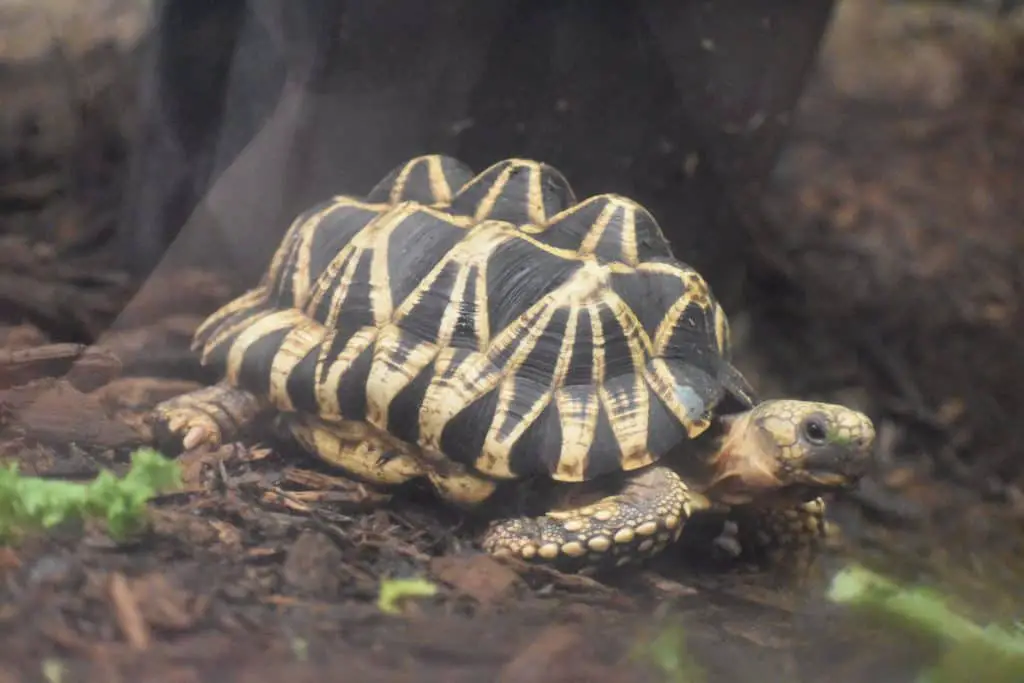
208 416
196 436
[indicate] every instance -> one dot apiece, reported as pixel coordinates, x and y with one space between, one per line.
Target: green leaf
669 653
992 653
394 591
31 503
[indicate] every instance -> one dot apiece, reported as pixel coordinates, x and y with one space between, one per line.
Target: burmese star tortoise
489 330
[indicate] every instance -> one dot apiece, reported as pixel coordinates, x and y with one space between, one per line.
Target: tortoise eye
814 430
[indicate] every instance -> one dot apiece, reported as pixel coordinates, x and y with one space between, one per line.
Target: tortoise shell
492 319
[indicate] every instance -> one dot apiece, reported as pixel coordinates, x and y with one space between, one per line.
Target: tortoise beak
839 467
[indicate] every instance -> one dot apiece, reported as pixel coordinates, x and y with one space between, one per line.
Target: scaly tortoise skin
480 330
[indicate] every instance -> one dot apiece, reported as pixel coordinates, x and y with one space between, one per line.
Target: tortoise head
790 450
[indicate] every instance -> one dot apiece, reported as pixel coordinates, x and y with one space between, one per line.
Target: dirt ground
268 565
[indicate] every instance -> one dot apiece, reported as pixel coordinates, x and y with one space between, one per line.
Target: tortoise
486 331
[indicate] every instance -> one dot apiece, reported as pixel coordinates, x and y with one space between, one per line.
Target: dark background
680 105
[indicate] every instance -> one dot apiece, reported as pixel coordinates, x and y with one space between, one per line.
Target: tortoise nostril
864 439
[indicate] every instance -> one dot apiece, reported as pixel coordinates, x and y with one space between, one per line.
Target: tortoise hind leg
634 524
357 448
376 457
211 415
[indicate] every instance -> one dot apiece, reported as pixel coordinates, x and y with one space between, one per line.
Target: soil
269 565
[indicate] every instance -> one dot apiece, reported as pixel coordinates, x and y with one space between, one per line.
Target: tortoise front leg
632 525
212 415
790 538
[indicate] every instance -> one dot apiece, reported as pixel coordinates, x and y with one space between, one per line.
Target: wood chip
571 582
184 526
194 462
356 497
84 367
534 663
312 564
279 498
264 552
163 604
54 412
357 492
481 577
228 534
666 586
289 601
126 610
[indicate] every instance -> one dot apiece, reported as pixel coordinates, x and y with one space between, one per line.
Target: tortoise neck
713 441
695 459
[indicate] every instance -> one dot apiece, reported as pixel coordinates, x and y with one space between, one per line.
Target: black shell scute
519 191
609 227
430 179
